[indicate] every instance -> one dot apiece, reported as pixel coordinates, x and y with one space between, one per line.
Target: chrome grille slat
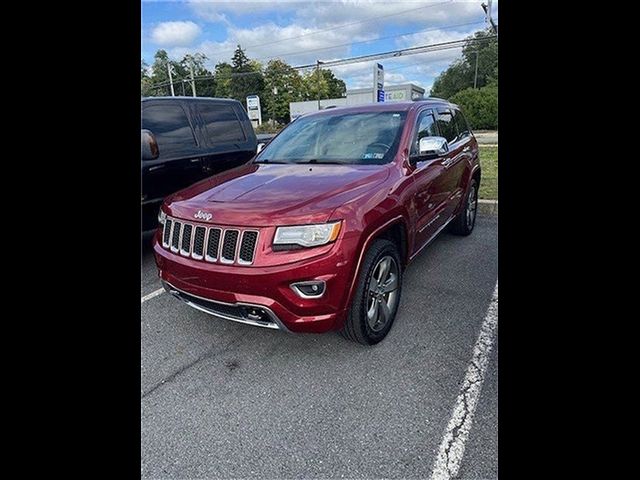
230 246
247 247
213 245
186 239
176 234
166 233
199 236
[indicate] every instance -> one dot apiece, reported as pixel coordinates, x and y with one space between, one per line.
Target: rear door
454 162
227 143
178 164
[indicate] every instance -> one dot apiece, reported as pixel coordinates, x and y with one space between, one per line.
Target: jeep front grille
210 244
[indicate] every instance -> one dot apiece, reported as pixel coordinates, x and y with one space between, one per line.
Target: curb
488 207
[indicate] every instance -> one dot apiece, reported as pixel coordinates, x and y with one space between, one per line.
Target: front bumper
230 288
236 312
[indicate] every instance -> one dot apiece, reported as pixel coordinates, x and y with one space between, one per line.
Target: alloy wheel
383 293
472 206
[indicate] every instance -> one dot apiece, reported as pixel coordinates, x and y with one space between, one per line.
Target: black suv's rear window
221 123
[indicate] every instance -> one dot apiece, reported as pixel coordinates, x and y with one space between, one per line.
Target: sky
301 32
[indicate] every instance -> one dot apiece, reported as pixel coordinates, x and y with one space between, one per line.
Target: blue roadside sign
381 95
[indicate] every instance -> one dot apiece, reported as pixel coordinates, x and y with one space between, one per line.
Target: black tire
357 326
465 221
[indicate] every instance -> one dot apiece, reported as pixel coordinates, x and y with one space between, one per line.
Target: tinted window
447 126
221 123
171 127
461 124
426 128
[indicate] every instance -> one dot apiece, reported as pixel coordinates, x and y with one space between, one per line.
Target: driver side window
426 128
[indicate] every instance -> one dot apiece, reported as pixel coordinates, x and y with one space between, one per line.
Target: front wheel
466 220
377 295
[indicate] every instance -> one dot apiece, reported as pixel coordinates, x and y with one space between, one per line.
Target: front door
432 186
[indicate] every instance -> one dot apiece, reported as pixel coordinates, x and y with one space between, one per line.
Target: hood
263 194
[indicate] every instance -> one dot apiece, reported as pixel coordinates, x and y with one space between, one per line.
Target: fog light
312 289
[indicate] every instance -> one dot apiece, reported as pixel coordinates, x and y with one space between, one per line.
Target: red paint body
369 199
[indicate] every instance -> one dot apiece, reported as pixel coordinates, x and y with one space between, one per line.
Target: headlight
307 235
161 217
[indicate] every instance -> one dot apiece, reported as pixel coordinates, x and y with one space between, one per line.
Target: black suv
187 139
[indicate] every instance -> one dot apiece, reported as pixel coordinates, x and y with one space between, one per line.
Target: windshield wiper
315 160
266 160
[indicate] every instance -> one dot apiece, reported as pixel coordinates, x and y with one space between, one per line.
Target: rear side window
447 126
171 127
426 128
221 123
461 124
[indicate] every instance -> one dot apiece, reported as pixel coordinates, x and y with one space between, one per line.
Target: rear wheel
377 295
466 220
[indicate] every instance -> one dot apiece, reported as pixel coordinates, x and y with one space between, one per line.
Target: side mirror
433 147
150 149
261 146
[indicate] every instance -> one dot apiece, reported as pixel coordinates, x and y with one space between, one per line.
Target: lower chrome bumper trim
275 324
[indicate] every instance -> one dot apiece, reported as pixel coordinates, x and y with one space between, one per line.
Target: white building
358 96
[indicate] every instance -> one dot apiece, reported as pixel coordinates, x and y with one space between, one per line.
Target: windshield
354 138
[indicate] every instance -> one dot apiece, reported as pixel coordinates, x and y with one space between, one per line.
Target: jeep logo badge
203 215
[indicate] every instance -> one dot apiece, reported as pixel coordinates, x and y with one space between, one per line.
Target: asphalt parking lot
226 400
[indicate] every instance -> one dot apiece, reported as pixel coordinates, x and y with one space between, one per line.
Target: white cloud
175 34
294 43
303 32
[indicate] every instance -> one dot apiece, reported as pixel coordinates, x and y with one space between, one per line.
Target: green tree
460 75
160 74
145 80
480 106
204 88
143 69
454 79
324 81
315 85
337 87
247 76
282 85
223 80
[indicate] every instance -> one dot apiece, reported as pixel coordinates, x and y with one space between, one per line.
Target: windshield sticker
377 156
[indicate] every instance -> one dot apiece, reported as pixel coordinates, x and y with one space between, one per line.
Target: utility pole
487 16
193 83
318 81
173 94
475 78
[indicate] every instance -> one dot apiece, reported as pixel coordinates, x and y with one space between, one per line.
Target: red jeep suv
313 234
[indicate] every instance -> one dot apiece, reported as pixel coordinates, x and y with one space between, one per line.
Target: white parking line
451 449
151 295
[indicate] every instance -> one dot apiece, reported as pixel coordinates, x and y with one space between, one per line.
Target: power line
368 41
336 27
401 52
435 47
